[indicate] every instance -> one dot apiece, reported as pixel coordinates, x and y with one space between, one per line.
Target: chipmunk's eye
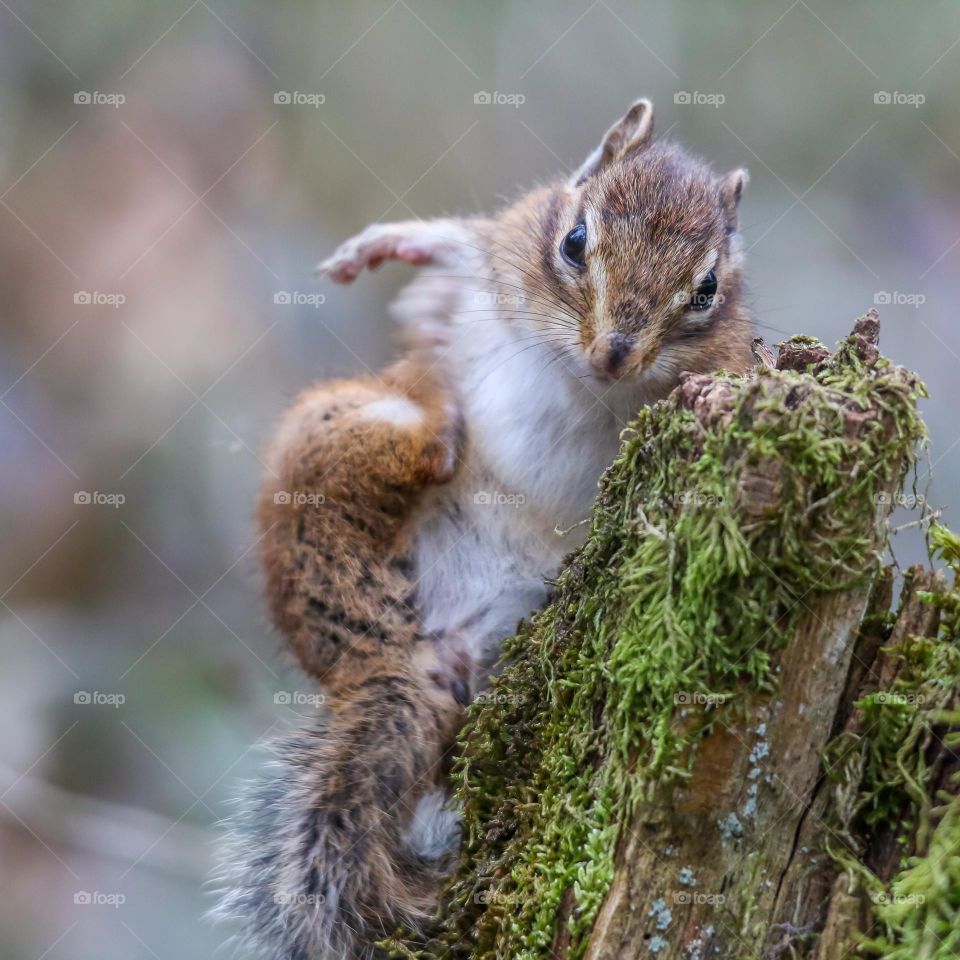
574 244
702 298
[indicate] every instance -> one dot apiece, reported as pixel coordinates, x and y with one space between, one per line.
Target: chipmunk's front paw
370 248
443 452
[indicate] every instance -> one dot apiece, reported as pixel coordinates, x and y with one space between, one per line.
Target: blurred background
169 174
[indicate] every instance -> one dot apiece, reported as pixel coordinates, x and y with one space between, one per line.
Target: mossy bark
686 756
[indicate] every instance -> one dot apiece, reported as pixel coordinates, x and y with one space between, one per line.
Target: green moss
885 781
701 543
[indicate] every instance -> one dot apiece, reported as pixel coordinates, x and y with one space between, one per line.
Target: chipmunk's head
641 246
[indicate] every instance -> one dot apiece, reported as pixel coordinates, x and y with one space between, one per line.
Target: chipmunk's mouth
616 356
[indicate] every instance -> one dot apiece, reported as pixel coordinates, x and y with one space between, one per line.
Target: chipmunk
415 514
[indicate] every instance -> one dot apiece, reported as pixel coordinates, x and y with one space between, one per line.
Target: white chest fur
537 443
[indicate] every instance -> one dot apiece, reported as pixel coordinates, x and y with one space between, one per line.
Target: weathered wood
735 824
772 892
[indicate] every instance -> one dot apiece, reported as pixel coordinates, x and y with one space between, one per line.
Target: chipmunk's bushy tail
349 837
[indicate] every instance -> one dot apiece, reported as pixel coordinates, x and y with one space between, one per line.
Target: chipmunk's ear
631 133
730 190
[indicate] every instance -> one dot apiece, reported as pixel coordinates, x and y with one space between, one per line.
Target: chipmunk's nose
608 353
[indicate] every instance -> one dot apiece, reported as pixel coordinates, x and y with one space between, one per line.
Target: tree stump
717 741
